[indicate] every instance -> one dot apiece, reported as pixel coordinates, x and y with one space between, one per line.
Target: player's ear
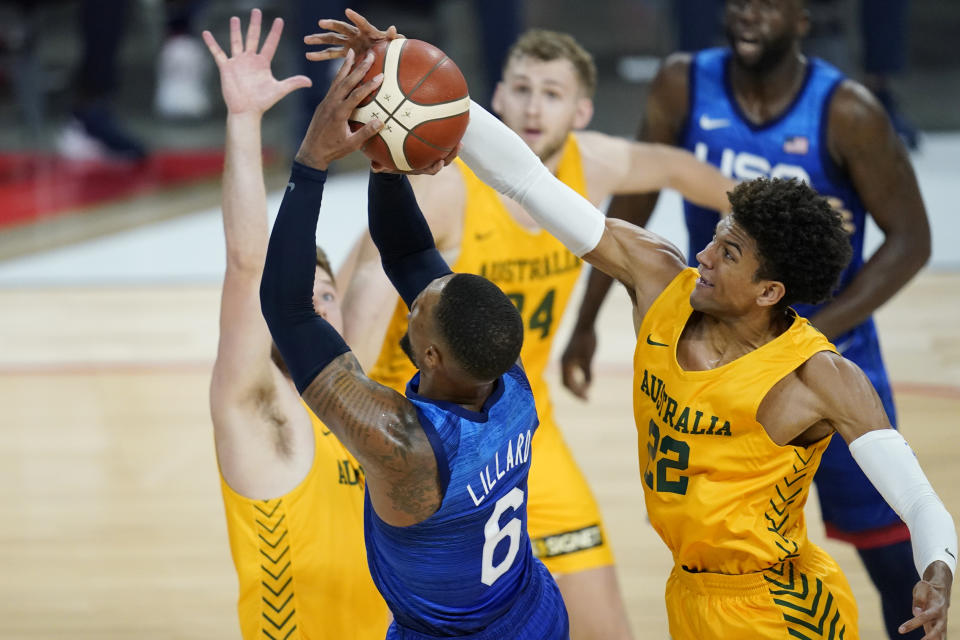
772 293
431 357
583 114
496 102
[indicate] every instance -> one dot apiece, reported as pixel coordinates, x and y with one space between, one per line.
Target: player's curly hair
546 46
480 325
800 238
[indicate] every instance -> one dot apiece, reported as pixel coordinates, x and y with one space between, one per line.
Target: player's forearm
890 465
398 229
306 341
244 195
894 264
502 160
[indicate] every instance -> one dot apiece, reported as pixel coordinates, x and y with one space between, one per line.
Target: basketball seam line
420 82
411 133
406 98
393 117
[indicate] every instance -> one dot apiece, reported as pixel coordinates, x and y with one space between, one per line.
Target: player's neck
732 337
762 93
468 396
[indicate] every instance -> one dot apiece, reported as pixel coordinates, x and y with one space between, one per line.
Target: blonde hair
546 46
324 263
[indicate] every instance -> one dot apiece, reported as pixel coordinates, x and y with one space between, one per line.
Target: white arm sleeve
503 160
889 463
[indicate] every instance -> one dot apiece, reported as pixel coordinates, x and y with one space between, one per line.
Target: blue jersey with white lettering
470 564
792 145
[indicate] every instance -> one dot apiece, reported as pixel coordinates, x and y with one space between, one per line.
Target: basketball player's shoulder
674 72
669 99
854 111
604 158
835 381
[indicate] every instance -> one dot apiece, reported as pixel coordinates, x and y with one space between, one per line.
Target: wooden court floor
113 523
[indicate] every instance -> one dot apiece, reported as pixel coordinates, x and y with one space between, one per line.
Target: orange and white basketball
423 103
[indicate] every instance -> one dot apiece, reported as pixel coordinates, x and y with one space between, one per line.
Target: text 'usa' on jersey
791 145
470 562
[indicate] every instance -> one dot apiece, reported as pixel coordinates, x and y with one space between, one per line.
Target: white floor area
190 249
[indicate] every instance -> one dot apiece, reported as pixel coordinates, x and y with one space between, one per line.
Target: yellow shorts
563 518
805 598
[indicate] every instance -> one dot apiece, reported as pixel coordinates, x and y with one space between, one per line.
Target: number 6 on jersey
493 534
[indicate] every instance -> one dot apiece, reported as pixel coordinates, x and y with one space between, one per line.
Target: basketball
423 104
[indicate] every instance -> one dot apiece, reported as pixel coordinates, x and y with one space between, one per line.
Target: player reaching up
760 107
546 97
293 494
446 465
736 397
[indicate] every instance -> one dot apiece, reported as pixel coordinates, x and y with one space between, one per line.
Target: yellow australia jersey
300 558
722 495
532 267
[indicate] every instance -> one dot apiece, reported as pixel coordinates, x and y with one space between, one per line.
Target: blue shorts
848 501
538 614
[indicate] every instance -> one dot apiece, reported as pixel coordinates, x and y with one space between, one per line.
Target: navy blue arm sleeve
397 226
306 341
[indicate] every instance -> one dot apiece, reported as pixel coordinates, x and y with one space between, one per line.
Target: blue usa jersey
791 145
469 567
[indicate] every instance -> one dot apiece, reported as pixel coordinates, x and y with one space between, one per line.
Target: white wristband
889 463
503 160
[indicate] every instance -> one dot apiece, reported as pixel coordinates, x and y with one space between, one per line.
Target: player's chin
546 148
700 299
748 54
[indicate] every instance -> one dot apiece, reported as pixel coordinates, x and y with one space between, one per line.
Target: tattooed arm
377 425
380 427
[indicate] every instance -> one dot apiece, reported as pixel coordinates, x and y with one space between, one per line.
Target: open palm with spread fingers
245 77
343 36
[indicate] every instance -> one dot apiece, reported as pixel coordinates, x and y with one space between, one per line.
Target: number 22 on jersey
663 480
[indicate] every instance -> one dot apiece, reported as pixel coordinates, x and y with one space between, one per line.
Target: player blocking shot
447 464
545 95
292 494
736 398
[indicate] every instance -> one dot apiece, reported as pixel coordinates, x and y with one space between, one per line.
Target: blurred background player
736 398
450 555
759 108
293 494
883 26
545 94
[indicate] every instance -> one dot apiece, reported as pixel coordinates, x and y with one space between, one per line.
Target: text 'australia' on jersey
467 564
723 496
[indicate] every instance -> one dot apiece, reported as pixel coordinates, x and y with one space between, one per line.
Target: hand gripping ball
423 104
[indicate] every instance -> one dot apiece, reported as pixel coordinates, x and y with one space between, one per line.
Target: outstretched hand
246 80
358 37
329 136
931 599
